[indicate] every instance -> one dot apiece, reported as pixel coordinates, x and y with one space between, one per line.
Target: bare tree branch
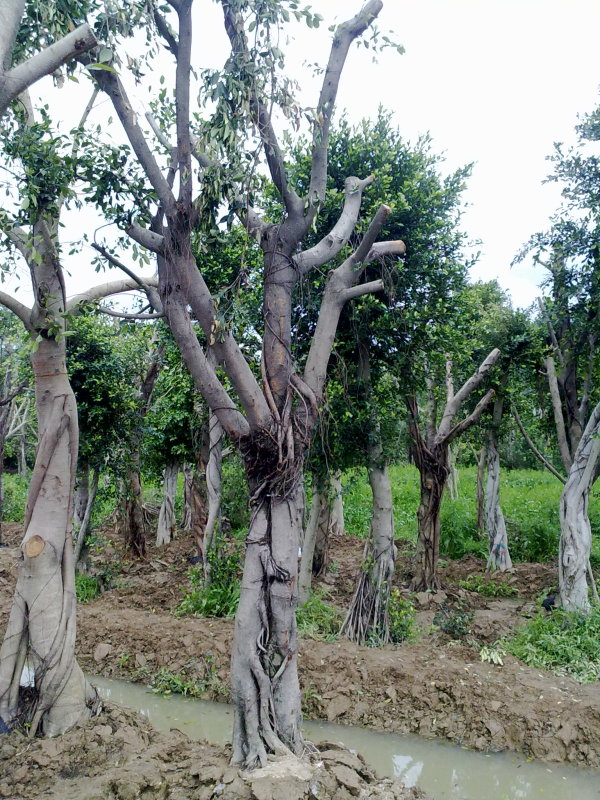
559 421
18 309
458 399
125 315
147 238
103 290
363 288
340 281
111 84
234 26
539 455
345 34
472 418
335 240
166 32
182 104
23 75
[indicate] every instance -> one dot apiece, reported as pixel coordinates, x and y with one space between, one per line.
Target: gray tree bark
576 534
165 531
499 555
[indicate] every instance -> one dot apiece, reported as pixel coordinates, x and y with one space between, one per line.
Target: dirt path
434 686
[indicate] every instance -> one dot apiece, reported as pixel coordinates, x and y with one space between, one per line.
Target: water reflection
446 771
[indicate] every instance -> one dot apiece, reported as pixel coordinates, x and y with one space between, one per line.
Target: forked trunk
165 531
433 473
368 617
266 692
499 555
41 626
576 534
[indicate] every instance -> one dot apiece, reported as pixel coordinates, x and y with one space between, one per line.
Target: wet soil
434 686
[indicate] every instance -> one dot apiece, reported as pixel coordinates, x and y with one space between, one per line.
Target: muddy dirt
434 686
119 756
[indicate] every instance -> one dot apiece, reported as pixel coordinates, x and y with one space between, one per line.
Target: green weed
402 618
87 587
316 619
221 597
15 497
455 621
562 642
487 586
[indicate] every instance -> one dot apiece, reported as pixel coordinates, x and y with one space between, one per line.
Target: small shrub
316 619
562 642
456 622
86 587
487 586
221 597
402 618
15 497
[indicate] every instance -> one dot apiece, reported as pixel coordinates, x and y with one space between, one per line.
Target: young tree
431 458
280 408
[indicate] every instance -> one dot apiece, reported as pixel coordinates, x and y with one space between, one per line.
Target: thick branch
43 63
458 399
105 290
18 309
111 84
363 288
200 369
165 31
537 453
335 240
339 283
182 102
472 418
234 27
11 12
345 34
148 239
125 315
150 291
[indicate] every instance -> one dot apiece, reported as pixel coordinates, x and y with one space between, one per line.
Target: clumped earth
433 686
119 756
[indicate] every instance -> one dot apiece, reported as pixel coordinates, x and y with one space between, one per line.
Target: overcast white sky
495 83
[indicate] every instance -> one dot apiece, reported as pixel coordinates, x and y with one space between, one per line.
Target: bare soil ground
434 686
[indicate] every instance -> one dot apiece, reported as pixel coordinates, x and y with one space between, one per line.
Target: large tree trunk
499 555
433 471
42 620
266 691
576 534
368 617
165 531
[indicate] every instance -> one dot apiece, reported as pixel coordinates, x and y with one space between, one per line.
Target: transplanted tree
381 337
570 251
41 625
280 407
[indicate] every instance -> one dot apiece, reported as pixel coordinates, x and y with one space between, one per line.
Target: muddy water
445 771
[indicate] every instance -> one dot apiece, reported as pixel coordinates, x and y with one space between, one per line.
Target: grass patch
317 619
87 587
221 597
565 643
487 586
15 497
